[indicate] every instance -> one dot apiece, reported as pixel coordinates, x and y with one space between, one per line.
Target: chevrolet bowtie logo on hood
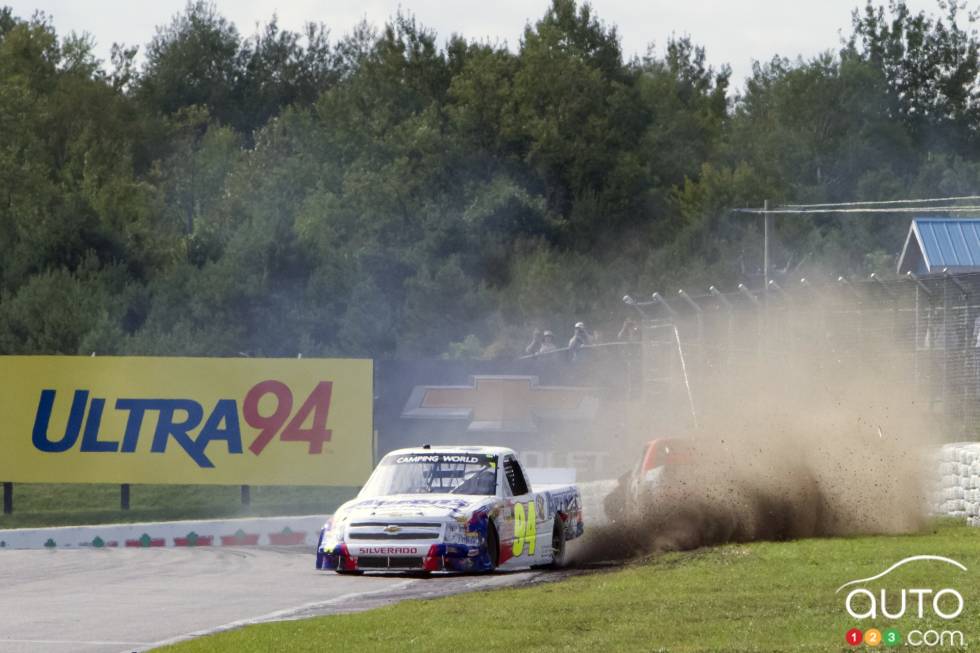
502 403
392 528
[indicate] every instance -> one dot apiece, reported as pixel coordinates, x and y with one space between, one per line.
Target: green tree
931 65
194 61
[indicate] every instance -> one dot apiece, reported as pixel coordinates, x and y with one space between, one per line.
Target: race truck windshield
437 473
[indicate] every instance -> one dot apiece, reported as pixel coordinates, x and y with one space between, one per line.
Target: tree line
389 193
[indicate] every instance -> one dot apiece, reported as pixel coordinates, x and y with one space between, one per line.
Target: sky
732 32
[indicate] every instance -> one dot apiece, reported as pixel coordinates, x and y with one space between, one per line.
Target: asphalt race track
113 600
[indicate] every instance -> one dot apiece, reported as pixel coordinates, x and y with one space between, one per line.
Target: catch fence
925 328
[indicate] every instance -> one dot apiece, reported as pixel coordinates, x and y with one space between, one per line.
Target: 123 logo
866 601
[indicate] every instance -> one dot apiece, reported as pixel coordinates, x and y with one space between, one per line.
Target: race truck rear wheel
558 557
558 544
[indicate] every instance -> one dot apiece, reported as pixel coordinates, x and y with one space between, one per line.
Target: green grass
66 505
753 597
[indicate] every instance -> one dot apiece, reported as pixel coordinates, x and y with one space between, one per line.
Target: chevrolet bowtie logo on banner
502 403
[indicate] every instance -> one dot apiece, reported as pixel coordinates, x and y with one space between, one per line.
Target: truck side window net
515 477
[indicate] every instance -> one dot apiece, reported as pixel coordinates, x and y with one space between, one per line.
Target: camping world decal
186 420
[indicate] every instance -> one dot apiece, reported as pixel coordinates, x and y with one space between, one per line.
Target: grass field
752 597
66 505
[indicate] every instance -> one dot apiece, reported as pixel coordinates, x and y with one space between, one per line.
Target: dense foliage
391 194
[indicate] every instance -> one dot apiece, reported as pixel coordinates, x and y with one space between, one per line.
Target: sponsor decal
177 420
414 503
446 458
465 531
388 550
525 529
501 403
182 420
866 600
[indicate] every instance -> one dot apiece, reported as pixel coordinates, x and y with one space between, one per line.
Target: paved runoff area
113 600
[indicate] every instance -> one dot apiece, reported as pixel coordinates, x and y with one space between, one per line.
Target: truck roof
490 451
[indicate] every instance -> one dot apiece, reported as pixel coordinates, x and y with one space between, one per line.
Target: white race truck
447 508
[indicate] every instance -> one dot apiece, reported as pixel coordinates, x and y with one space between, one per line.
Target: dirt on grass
800 442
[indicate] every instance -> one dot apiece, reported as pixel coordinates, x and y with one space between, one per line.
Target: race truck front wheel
493 546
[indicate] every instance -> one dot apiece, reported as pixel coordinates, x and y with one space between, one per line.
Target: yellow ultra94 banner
233 421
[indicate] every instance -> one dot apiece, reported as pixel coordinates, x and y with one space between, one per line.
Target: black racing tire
493 546
559 545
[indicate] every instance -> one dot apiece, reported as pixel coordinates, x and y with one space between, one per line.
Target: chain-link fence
928 328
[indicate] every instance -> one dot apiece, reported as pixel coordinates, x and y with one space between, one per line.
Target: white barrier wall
956 492
254 531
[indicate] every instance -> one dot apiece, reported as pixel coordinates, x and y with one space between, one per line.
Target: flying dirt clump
797 443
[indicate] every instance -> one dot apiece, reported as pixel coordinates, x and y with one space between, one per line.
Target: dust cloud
796 439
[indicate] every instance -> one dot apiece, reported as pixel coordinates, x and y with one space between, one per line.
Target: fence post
766 230
124 496
944 393
8 498
246 495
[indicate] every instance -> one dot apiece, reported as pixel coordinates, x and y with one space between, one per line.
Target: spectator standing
547 343
630 331
579 340
535 345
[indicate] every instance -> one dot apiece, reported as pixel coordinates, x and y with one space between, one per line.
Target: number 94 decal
525 528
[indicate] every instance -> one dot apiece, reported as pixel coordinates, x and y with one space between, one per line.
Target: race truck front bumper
403 546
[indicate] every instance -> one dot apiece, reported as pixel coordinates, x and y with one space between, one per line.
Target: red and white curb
258 531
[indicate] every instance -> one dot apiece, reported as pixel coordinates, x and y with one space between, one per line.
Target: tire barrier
956 490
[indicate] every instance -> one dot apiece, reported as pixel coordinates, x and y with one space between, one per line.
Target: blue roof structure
935 244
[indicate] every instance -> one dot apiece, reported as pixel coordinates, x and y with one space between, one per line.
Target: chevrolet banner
553 412
230 421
